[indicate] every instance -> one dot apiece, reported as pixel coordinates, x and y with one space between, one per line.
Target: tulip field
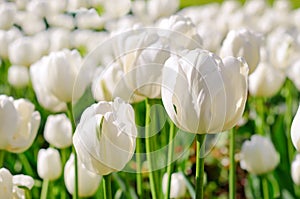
129 99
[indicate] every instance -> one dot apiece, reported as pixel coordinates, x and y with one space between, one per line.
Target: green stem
2 154
139 151
45 186
260 122
288 119
107 187
170 159
265 187
232 165
148 152
199 167
71 117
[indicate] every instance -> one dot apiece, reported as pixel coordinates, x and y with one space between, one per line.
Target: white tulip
30 23
6 184
178 186
23 52
19 124
49 165
21 4
243 43
18 76
7 15
295 170
75 5
62 69
57 6
116 8
38 75
295 130
200 91
266 80
88 182
258 156
105 137
89 19
293 73
6 38
38 7
41 41
61 20
58 131
59 39
161 8
19 182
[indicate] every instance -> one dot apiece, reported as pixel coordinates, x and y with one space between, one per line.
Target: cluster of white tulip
201 61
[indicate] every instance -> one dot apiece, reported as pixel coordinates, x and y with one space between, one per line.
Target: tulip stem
107 187
265 187
44 191
71 117
232 165
199 166
148 152
170 158
2 154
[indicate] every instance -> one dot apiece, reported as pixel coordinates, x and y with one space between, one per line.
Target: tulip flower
49 165
201 94
293 73
19 124
243 43
105 136
7 15
266 80
58 131
295 170
116 8
258 156
88 182
178 186
6 38
18 76
89 19
6 184
295 129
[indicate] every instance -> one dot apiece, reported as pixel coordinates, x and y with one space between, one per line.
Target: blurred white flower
58 131
89 19
293 73
23 52
88 182
178 186
57 6
38 75
74 5
21 4
243 43
19 124
6 38
161 8
7 15
295 170
59 39
49 166
20 181
18 76
200 91
41 42
258 156
6 184
295 129
29 22
116 8
61 20
38 7
266 80
105 137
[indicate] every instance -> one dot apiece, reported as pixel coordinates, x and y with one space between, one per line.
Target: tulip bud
49 164
106 130
6 38
116 8
58 131
266 80
7 15
178 186
293 73
88 182
89 19
6 184
197 83
295 130
157 8
295 170
18 76
258 156
243 43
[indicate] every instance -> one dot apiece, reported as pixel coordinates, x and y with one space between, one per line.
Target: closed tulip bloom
201 94
164 8
20 181
30 23
19 124
89 19
243 43
18 76
49 165
116 8
258 156
7 15
293 73
266 80
295 170
6 38
105 136
295 130
6 184
58 131
62 70
59 39
178 186
88 182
